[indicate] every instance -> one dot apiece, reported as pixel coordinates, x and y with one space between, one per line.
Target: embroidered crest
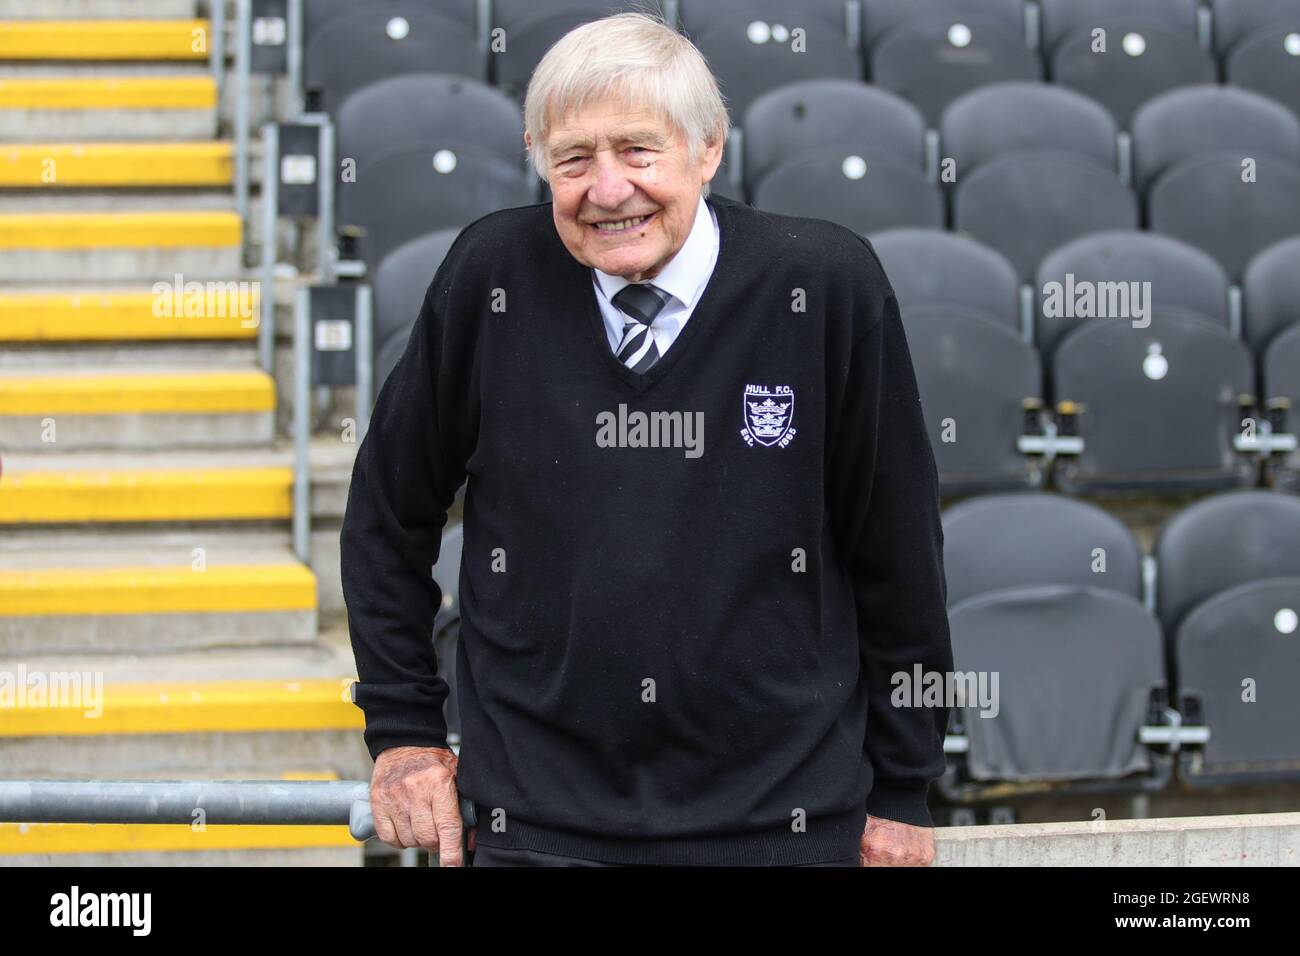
768 415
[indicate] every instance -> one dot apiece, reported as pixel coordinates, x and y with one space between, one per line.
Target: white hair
634 59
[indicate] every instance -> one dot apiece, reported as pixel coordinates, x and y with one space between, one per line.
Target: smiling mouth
621 227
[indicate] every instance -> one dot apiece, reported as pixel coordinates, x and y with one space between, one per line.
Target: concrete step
76 408
115 845
32 494
127 355
321 856
96 9
122 200
168 311
127 602
104 39
86 472
139 165
118 246
101 107
208 714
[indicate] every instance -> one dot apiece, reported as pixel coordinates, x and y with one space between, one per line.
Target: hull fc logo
768 414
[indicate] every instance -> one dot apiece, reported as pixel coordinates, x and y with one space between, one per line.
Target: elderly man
701 521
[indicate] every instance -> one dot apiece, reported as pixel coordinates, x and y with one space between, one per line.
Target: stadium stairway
146 567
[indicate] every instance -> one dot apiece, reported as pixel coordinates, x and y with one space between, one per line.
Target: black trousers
496 856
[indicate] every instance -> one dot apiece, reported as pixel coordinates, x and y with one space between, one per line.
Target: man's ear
712 158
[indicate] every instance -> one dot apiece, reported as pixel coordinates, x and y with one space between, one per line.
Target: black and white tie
640 302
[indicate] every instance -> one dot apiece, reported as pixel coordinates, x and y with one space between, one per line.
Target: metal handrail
273 802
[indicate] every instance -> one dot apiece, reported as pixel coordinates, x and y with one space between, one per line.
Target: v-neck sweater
685 595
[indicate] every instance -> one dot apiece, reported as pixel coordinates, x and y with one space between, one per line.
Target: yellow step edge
108 93
117 230
250 391
54 165
104 39
190 494
36 838
211 310
183 589
94 708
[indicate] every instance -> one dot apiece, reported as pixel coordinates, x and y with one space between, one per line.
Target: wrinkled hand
889 843
414 801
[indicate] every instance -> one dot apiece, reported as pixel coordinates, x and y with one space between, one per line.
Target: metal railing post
365 356
327 252
243 54
217 48
302 350
293 57
270 204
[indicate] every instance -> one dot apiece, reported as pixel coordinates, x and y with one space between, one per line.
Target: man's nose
611 187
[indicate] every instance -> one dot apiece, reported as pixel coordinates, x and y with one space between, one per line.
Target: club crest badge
768 415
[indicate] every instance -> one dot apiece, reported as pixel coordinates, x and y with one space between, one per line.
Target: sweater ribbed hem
826 839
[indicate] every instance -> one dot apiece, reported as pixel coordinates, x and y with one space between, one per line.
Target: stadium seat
529 29
1159 405
1281 385
417 109
1271 288
1221 542
973 376
699 15
750 59
866 191
1025 204
1245 633
1079 669
348 52
1141 61
1184 123
1204 201
932 61
1180 276
932 267
1005 117
402 278
1064 19
1032 538
319 13
409 191
1268 62
881 17
1235 20
784 122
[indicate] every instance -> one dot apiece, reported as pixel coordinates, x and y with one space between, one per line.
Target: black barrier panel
297 172
333 335
270 37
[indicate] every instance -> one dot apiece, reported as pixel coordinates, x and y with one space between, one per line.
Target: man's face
608 166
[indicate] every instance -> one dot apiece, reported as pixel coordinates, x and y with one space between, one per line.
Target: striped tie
641 302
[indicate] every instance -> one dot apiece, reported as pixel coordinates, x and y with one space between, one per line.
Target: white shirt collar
687 271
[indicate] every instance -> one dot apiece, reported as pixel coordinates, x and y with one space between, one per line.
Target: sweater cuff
901 803
394 722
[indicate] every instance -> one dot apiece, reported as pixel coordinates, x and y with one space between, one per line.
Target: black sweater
678 648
